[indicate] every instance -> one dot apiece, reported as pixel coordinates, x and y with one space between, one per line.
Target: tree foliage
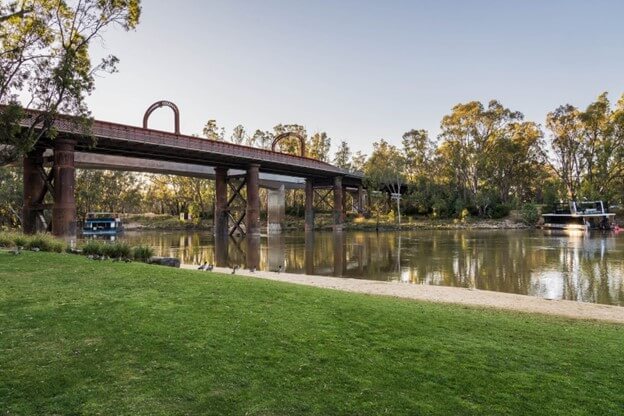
45 63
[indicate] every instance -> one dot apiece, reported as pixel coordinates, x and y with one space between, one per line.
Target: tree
385 171
567 147
418 151
343 156
45 63
290 145
318 146
603 139
11 196
468 135
239 135
358 162
212 132
104 190
261 139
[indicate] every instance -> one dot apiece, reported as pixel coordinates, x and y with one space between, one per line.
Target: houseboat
102 223
584 216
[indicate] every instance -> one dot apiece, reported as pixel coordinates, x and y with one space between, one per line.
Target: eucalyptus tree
45 63
261 139
239 135
469 135
318 146
212 132
385 171
290 145
342 157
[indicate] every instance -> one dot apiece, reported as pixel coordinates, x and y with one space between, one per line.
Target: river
587 268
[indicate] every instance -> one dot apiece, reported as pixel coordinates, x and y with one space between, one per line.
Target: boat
584 216
102 223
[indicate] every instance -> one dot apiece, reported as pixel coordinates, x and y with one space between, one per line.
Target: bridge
239 172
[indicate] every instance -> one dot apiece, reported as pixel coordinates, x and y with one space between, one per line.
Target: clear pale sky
359 70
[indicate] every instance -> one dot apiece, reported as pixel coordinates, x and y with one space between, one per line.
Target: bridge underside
237 205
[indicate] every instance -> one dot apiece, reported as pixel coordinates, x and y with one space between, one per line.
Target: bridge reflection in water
584 268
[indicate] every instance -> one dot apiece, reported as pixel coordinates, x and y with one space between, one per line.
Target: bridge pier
338 208
252 215
276 204
360 199
309 205
221 202
34 188
64 209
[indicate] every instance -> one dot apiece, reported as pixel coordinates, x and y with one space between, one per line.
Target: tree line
486 161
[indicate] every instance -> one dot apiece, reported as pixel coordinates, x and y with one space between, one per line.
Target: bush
117 250
530 214
500 211
45 242
7 239
93 248
20 240
142 253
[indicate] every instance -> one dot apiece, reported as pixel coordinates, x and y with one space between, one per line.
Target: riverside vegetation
83 337
48 243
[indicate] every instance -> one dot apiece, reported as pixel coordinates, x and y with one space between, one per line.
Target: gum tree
45 63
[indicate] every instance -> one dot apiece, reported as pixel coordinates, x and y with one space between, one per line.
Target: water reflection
577 267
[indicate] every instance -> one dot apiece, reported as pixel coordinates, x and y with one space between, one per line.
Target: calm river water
587 268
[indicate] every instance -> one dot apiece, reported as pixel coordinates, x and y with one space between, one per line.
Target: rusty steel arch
290 134
164 103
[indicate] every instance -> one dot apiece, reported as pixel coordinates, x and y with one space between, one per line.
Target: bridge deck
138 142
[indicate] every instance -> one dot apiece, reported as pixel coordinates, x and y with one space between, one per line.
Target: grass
85 337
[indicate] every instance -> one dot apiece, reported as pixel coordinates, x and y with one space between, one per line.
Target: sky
358 70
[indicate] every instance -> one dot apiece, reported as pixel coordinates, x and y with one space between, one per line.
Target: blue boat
102 223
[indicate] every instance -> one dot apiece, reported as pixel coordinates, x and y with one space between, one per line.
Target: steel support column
34 187
64 210
338 209
220 212
252 216
309 205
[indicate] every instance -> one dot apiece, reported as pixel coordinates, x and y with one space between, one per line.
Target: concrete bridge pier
252 215
64 209
34 189
338 209
360 199
276 206
221 201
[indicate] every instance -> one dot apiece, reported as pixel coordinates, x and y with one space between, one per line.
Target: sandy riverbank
443 294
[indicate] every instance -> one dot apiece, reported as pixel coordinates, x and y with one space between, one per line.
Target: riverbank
149 222
86 337
445 294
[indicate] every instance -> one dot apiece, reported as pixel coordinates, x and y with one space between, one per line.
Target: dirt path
443 294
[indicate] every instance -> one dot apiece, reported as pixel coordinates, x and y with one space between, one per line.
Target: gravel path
443 294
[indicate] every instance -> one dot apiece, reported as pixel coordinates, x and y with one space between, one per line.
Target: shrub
20 240
93 247
530 214
142 253
45 242
500 211
7 239
117 250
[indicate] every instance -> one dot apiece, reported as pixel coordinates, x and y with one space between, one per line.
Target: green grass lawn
85 337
